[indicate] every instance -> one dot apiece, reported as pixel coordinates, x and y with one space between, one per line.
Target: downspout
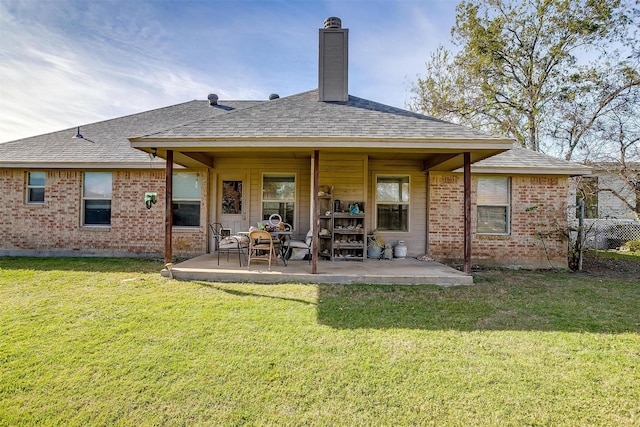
467 212
168 220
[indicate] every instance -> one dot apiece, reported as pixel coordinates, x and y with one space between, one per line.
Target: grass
109 342
613 254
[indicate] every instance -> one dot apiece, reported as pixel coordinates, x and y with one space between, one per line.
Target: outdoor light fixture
150 199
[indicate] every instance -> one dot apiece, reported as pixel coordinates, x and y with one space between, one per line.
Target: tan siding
415 239
255 168
347 174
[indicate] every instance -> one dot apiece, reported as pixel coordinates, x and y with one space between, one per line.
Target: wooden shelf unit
325 213
348 240
341 234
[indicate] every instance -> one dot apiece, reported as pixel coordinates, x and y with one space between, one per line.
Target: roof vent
213 99
273 96
332 22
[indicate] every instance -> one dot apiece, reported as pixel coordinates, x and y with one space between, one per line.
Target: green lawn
110 342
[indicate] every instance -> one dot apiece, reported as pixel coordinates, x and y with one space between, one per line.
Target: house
457 194
606 192
610 202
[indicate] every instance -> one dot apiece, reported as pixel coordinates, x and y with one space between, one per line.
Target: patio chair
225 242
261 247
299 244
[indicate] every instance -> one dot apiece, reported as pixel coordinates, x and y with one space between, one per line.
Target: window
186 199
392 203
493 201
35 187
588 190
232 197
279 196
96 198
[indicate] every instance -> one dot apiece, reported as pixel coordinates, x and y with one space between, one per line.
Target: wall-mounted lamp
154 153
150 199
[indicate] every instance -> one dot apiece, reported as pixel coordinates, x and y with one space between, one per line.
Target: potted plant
375 245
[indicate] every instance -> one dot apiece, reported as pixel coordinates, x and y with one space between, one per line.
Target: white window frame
494 201
86 198
396 202
174 199
31 186
264 200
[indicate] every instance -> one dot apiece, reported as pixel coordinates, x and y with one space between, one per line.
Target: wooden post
428 213
168 219
315 214
467 213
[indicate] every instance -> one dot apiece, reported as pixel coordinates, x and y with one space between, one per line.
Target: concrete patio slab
396 271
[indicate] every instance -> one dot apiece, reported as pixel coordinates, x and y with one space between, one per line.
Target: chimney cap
213 99
332 22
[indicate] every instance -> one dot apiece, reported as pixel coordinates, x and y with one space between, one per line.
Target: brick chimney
333 61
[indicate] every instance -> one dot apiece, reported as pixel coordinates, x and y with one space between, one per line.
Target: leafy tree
517 58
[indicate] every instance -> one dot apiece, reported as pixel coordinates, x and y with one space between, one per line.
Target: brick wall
538 212
55 226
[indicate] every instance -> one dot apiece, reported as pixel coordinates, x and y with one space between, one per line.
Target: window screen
493 201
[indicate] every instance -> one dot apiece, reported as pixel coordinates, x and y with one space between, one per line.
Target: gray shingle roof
107 142
303 116
520 160
296 116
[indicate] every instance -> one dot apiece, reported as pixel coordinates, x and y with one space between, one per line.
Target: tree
598 120
516 58
588 104
623 131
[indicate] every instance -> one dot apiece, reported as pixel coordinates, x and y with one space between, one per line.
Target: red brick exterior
54 228
538 214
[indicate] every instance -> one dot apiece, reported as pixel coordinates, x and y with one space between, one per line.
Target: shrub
633 245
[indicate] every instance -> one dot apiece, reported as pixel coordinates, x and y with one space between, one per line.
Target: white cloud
51 80
66 63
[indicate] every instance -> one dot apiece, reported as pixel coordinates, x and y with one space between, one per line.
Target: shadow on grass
528 301
530 305
240 293
99 265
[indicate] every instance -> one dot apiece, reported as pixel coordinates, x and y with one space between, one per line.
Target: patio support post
467 212
168 220
315 214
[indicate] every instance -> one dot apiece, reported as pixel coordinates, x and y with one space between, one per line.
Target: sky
65 63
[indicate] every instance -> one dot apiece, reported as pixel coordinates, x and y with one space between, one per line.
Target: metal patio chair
261 247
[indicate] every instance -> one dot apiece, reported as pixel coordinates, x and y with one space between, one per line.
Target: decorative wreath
275 220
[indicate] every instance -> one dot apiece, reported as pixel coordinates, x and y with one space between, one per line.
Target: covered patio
397 271
280 152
